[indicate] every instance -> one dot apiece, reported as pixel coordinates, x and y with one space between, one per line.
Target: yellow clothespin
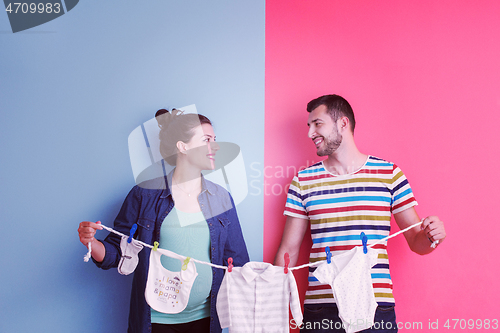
156 244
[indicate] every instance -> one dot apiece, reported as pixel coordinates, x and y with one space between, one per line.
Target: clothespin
186 262
229 264
156 244
328 255
364 239
132 232
287 262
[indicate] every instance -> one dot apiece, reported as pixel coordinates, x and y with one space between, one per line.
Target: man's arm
295 229
420 238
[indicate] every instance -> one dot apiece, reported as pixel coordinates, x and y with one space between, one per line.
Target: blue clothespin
364 239
132 232
328 255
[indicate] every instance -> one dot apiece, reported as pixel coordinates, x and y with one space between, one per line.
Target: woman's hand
86 232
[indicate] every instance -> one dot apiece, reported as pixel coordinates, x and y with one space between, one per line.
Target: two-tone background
423 79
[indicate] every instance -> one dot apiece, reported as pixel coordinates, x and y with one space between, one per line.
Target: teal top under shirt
187 234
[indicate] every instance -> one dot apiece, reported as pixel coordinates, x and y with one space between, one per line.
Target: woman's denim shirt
147 205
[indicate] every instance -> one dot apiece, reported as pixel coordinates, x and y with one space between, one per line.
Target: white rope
371 245
87 256
312 264
152 247
433 245
395 234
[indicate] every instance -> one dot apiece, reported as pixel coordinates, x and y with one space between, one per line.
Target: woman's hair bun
176 126
164 117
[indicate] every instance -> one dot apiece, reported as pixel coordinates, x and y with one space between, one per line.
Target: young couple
322 196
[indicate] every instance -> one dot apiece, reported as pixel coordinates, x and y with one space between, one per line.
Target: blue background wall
71 91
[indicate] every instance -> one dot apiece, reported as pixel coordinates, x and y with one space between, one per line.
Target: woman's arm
107 253
86 232
235 243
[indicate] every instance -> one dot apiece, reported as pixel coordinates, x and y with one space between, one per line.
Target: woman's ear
181 147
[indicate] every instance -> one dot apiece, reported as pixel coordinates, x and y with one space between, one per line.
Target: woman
188 215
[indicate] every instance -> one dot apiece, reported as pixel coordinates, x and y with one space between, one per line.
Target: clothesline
87 256
146 245
371 245
433 245
395 234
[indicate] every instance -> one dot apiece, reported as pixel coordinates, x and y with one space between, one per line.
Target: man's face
323 131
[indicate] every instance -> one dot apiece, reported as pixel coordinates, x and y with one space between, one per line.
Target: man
346 194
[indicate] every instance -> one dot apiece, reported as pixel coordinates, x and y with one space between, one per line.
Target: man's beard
330 146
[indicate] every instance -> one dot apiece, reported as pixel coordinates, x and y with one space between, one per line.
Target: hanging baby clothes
167 291
349 276
255 298
129 259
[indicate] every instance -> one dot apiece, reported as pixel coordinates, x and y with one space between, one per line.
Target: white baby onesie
350 278
255 298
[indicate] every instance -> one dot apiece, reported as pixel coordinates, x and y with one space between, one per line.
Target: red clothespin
287 262
230 264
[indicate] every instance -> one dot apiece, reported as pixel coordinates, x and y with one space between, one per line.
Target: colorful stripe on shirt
340 207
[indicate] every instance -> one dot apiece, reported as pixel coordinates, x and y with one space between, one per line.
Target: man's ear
344 123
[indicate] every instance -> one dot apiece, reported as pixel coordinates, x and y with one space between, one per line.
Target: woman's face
201 149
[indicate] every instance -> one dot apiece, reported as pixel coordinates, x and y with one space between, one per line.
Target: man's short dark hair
336 106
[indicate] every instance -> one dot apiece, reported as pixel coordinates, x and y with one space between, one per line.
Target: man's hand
434 229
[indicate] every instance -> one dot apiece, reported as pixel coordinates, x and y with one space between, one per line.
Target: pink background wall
424 82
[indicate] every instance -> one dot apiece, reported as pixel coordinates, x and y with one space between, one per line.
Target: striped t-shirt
340 207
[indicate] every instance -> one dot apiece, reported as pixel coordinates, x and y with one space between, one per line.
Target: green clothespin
186 262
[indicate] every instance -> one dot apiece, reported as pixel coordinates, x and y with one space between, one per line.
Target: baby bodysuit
350 278
255 298
129 260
